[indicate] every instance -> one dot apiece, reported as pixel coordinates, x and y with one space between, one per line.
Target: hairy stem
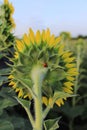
38 107
38 73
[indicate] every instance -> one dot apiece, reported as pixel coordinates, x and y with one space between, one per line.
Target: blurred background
58 15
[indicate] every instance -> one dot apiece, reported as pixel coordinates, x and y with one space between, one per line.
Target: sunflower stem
30 116
38 107
38 73
46 111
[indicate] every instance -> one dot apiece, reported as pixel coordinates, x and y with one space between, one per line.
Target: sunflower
46 50
9 10
6 2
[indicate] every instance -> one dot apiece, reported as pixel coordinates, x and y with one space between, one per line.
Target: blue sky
58 15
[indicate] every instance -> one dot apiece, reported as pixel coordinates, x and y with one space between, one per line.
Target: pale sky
58 15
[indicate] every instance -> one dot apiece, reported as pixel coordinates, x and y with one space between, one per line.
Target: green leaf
20 123
1 55
6 125
84 114
24 102
51 124
72 112
3 75
56 75
8 102
3 79
5 71
1 111
6 99
6 92
81 127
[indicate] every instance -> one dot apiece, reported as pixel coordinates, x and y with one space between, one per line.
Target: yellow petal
11 8
17 90
67 90
72 73
12 21
57 40
38 37
45 100
72 70
43 36
16 55
68 84
20 45
70 78
6 1
30 96
26 39
51 102
61 49
68 60
62 102
14 86
10 77
69 87
59 102
25 96
12 83
70 65
20 94
52 40
31 35
66 55
65 98
47 35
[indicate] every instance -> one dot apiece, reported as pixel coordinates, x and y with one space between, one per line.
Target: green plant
6 40
76 108
44 72
6 26
6 37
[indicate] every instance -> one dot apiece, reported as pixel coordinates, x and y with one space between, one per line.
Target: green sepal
26 82
8 102
51 124
60 94
6 99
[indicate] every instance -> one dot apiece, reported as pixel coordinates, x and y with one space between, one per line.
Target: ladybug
45 65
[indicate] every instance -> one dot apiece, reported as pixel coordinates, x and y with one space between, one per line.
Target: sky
58 15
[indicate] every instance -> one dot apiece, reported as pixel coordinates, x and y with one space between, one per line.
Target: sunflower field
43 78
